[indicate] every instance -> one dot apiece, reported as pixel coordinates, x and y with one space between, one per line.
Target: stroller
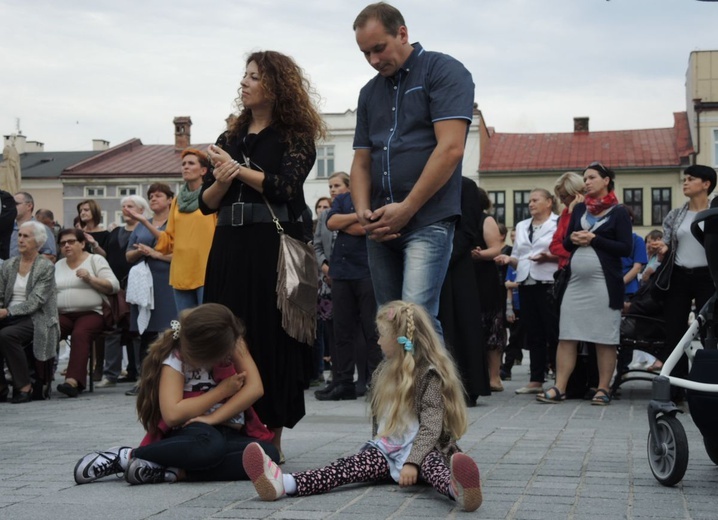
642 328
667 441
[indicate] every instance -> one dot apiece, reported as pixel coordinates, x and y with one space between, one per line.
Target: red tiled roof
659 147
132 159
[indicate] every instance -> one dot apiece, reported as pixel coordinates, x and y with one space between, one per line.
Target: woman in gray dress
598 235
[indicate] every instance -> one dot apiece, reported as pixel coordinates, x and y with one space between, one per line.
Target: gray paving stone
566 461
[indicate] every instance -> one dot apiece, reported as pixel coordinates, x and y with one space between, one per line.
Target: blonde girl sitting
198 385
418 413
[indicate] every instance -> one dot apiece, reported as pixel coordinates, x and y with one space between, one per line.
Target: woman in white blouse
83 280
535 265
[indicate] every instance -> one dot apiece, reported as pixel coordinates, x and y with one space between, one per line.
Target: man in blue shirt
353 306
25 205
412 122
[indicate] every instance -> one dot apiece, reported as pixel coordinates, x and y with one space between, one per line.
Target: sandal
602 397
557 397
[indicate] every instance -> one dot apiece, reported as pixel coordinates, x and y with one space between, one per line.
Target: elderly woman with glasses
598 236
83 279
535 266
28 311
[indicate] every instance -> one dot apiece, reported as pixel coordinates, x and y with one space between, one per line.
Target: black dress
492 295
460 303
242 267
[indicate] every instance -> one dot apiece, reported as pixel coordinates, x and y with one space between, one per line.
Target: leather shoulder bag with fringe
297 282
296 285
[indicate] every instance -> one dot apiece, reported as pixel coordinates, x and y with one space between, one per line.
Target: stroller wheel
668 454
711 444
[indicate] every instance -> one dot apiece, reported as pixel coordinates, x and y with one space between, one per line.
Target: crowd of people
419 296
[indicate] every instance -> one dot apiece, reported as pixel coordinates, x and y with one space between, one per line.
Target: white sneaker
105 383
100 464
465 482
263 472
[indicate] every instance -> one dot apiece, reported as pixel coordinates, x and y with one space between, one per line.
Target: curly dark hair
294 112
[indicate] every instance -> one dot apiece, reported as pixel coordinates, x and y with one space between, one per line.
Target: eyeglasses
68 242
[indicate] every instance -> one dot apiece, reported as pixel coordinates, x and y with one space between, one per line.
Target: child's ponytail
148 397
204 336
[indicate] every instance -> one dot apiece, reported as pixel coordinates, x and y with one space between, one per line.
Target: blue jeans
413 267
187 299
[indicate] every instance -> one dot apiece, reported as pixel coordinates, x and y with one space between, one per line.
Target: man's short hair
389 16
45 213
28 198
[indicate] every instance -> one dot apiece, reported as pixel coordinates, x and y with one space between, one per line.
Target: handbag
663 274
115 308
561 278
297 285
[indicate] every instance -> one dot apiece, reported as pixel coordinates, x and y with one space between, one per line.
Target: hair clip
175 326
408 345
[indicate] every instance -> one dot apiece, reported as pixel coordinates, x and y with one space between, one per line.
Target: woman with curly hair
267 152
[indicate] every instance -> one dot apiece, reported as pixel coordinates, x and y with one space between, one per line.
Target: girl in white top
418 402
198 385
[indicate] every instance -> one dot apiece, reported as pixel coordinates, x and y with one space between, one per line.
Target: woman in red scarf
598 235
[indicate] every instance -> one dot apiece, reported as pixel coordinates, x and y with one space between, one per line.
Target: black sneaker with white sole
142 471
100 464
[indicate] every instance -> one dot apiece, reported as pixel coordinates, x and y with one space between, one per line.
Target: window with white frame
103 215
119 219
325 161
126 191
94 192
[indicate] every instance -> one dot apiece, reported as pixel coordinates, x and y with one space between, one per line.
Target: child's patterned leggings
369 466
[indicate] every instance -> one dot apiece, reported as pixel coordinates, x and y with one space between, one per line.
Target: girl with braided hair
418 413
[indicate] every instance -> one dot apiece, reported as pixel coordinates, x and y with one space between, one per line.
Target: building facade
702 105
648 165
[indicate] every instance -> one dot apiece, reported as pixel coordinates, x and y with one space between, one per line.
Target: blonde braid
410 323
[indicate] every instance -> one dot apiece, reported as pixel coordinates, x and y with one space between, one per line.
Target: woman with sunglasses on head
690 278
598 236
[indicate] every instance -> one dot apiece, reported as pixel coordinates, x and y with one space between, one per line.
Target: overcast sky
74 70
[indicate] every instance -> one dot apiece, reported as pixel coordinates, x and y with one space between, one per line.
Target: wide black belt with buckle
244 213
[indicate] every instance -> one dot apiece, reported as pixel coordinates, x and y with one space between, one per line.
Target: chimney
99 145
18 141
34 146
580 124
182 132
